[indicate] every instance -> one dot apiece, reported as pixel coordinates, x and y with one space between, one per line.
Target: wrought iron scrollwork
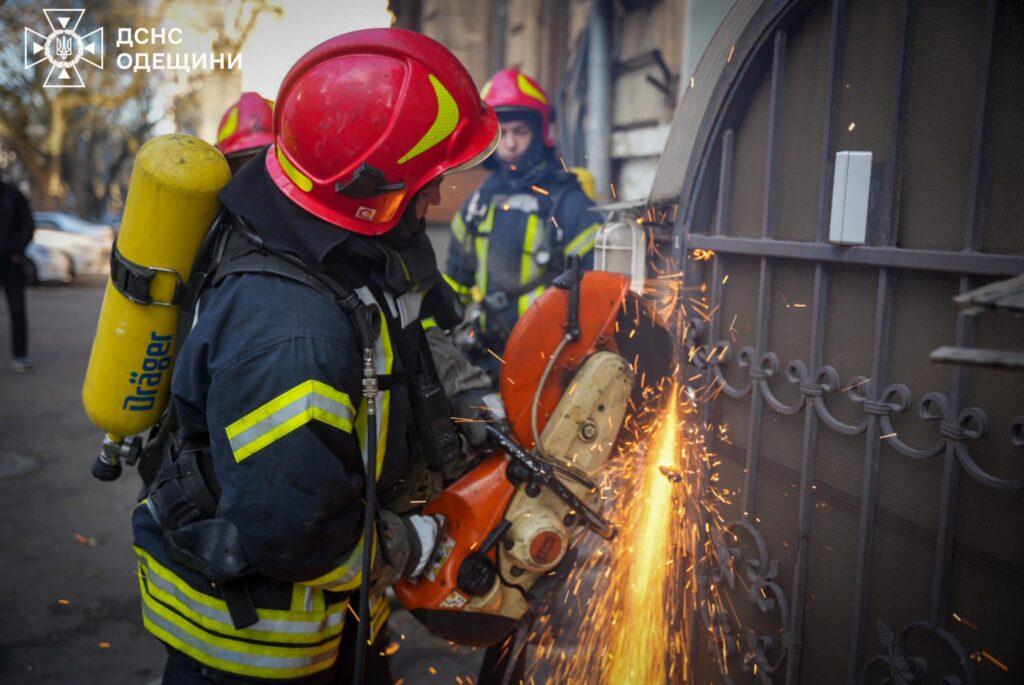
725 570
953 429
902 668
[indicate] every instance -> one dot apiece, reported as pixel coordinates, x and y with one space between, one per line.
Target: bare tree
75 145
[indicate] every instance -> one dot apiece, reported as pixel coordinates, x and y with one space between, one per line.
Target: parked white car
88 244
47 265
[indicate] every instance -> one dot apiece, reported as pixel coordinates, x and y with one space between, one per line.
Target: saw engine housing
509 538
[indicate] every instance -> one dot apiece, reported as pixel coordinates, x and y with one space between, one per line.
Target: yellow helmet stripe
529 89
230 126
297 177
444 123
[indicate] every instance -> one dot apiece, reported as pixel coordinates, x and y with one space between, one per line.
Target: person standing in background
16 229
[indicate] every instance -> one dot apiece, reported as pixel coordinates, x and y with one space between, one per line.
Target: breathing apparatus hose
369 513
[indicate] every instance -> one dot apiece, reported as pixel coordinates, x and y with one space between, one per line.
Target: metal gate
863 518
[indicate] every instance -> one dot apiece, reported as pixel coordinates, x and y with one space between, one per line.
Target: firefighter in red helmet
306 376
246 128
513 235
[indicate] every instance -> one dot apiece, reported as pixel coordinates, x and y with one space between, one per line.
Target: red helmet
366 119
510 90
247 125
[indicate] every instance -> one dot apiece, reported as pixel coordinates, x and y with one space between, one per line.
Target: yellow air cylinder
172 201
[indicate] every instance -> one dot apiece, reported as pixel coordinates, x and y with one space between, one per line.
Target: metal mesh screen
746 201
988 566
739 310
1002 218
909 490
798 163
738 319
867 77
943 76
838 475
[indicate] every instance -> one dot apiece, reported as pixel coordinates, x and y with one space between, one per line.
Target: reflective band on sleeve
584 242
307 401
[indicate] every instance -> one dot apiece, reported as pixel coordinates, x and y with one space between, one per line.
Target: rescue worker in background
16 229
245 129
511 237
267 385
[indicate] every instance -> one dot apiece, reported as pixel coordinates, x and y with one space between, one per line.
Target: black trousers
12 280
184 670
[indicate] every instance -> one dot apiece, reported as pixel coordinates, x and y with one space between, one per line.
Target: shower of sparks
631 607
640 626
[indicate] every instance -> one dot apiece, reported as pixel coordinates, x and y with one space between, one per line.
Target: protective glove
407 543
474 408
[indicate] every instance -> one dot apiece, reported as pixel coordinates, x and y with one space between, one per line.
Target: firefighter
512 235
245 129
250 538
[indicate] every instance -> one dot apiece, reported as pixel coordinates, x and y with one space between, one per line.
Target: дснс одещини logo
63 48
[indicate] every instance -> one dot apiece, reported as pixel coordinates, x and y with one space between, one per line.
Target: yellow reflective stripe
445 121
528 269
306 629
529 89
464 292
230 126
242 658
584 242
459 228
428 323
482 244
380 610
308 401
297 177
202 603
347 575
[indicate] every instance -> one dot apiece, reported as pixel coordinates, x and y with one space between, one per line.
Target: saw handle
542 473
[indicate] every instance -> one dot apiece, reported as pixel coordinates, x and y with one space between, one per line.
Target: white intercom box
851 189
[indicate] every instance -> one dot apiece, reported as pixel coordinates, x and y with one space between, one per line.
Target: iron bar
756 398
887 233
724 183
974 263
951 474
972 233
774 116
765 277
806 505
818 312
869 489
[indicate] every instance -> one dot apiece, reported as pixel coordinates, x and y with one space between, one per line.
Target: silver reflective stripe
240 658
291 627
288 412
307 602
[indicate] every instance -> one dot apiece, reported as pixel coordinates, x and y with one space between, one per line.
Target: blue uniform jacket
513 230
